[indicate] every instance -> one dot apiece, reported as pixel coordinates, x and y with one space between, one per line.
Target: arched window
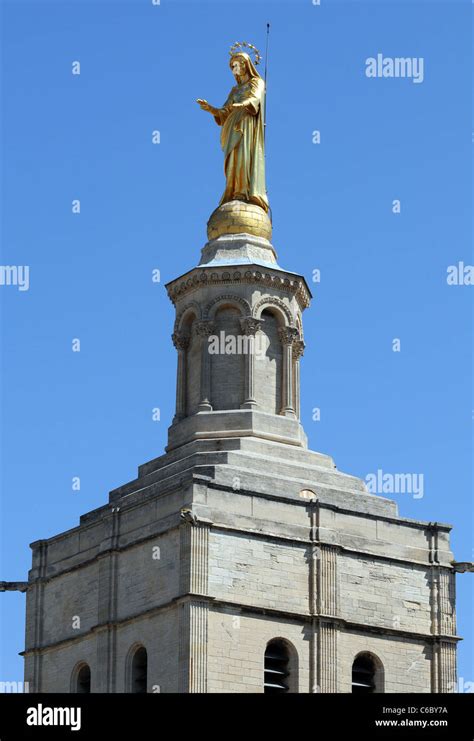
367 674
81 679
280 668
138 671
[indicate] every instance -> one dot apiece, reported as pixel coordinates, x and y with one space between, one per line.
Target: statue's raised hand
205 105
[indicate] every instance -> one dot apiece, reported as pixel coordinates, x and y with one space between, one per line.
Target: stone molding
273 301
212 306
294 285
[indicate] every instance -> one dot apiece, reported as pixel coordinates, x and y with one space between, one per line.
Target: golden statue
242 134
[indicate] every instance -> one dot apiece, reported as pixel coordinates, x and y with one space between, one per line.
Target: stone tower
241 561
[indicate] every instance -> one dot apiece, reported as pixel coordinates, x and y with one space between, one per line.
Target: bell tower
239 336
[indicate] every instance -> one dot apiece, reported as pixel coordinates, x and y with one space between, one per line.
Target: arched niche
136 670
227 355
269 361
81 678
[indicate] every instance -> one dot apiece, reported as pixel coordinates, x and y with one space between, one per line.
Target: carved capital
187 515
180 341
288 335
250 326
298 349
204 328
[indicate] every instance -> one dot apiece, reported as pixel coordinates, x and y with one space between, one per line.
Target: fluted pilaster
193 607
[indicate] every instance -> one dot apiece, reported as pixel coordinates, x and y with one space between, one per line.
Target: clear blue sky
145 206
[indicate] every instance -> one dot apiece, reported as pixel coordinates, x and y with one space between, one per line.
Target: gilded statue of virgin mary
242 133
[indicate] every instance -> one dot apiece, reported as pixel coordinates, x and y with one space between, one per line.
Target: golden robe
242 141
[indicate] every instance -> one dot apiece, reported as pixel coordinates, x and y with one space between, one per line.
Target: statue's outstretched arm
220 114
205 106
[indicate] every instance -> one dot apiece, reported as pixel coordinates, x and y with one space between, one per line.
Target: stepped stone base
281 470
237 423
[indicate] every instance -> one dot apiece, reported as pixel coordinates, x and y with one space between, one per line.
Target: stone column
193 639
447 601
323 607
288 336
35 616
313 555
106 679
443 619
447 667
250 327
328 625
327 645
181 343
443 626
193 607
203 330
298 350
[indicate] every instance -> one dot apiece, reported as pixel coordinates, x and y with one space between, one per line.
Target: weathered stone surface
257 557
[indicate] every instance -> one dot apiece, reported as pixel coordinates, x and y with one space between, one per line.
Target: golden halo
244 47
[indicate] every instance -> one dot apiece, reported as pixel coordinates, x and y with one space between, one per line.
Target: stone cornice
228 275
418 524
216 603
172 522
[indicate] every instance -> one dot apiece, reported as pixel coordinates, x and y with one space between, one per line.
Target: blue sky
145 207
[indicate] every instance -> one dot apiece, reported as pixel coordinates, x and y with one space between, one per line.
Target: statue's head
238 66
242 66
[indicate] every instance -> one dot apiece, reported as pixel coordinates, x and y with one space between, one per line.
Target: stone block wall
204 577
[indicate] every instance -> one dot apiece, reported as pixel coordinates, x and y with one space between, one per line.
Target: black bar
154 715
